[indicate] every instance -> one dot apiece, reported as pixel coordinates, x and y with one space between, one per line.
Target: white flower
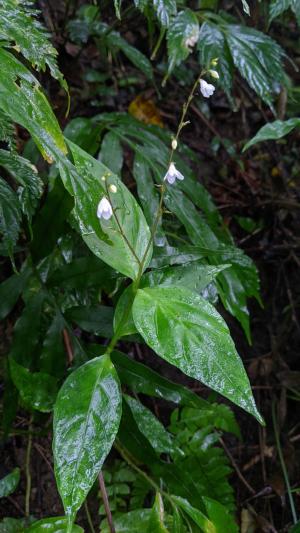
192 39
104 209
173 174
207 89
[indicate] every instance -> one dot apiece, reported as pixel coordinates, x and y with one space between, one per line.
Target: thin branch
106 503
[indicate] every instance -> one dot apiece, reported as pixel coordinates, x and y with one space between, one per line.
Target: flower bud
103 178
112 188
174 144
214 62
214 74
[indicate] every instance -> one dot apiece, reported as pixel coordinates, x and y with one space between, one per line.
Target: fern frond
20 28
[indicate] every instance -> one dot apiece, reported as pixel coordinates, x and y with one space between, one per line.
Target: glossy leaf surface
86 419
273 131
160 439
9 483
187 331
53 525
183 30
120 241
156 520
10 219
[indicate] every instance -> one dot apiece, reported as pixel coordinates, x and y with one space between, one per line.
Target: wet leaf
160 439
187 331
86 420
120 241
183 31
157 516
55 524
9 483
10 219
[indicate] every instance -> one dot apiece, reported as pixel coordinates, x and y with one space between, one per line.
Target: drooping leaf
19 25
53 355
114 40
273 131
23 101
121 241
258 58
277 7
246 7
165 10
10 217
123 320
187 331
86 419
150 426
9 483
182 33
82 272
53 525
38 390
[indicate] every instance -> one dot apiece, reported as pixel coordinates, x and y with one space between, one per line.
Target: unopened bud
174 144
113 188
214 74
214 62
103 178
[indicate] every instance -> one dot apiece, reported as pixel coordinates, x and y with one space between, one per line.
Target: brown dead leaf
145 110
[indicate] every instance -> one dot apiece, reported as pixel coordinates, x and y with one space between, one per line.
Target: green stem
88 516
283 466
181 125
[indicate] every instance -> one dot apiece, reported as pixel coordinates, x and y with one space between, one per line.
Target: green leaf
273 131
122 241
86 419
296 9
10 216
9 483
123 320
31 185
132 522
187 331
139 60
23 101
82 273
97 320
183 31
156 520
148 196
194 276
219 516
37 389
277 7
13 525
60 202
160 439
165 10
197 516
20 27
27 330
258 58
212 45
53 354
111 153
7 130
143 379
10 290
246 7
55 524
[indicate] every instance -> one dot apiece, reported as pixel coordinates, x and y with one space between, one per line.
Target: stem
163 189
106 503
283 466
27 472
88 516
